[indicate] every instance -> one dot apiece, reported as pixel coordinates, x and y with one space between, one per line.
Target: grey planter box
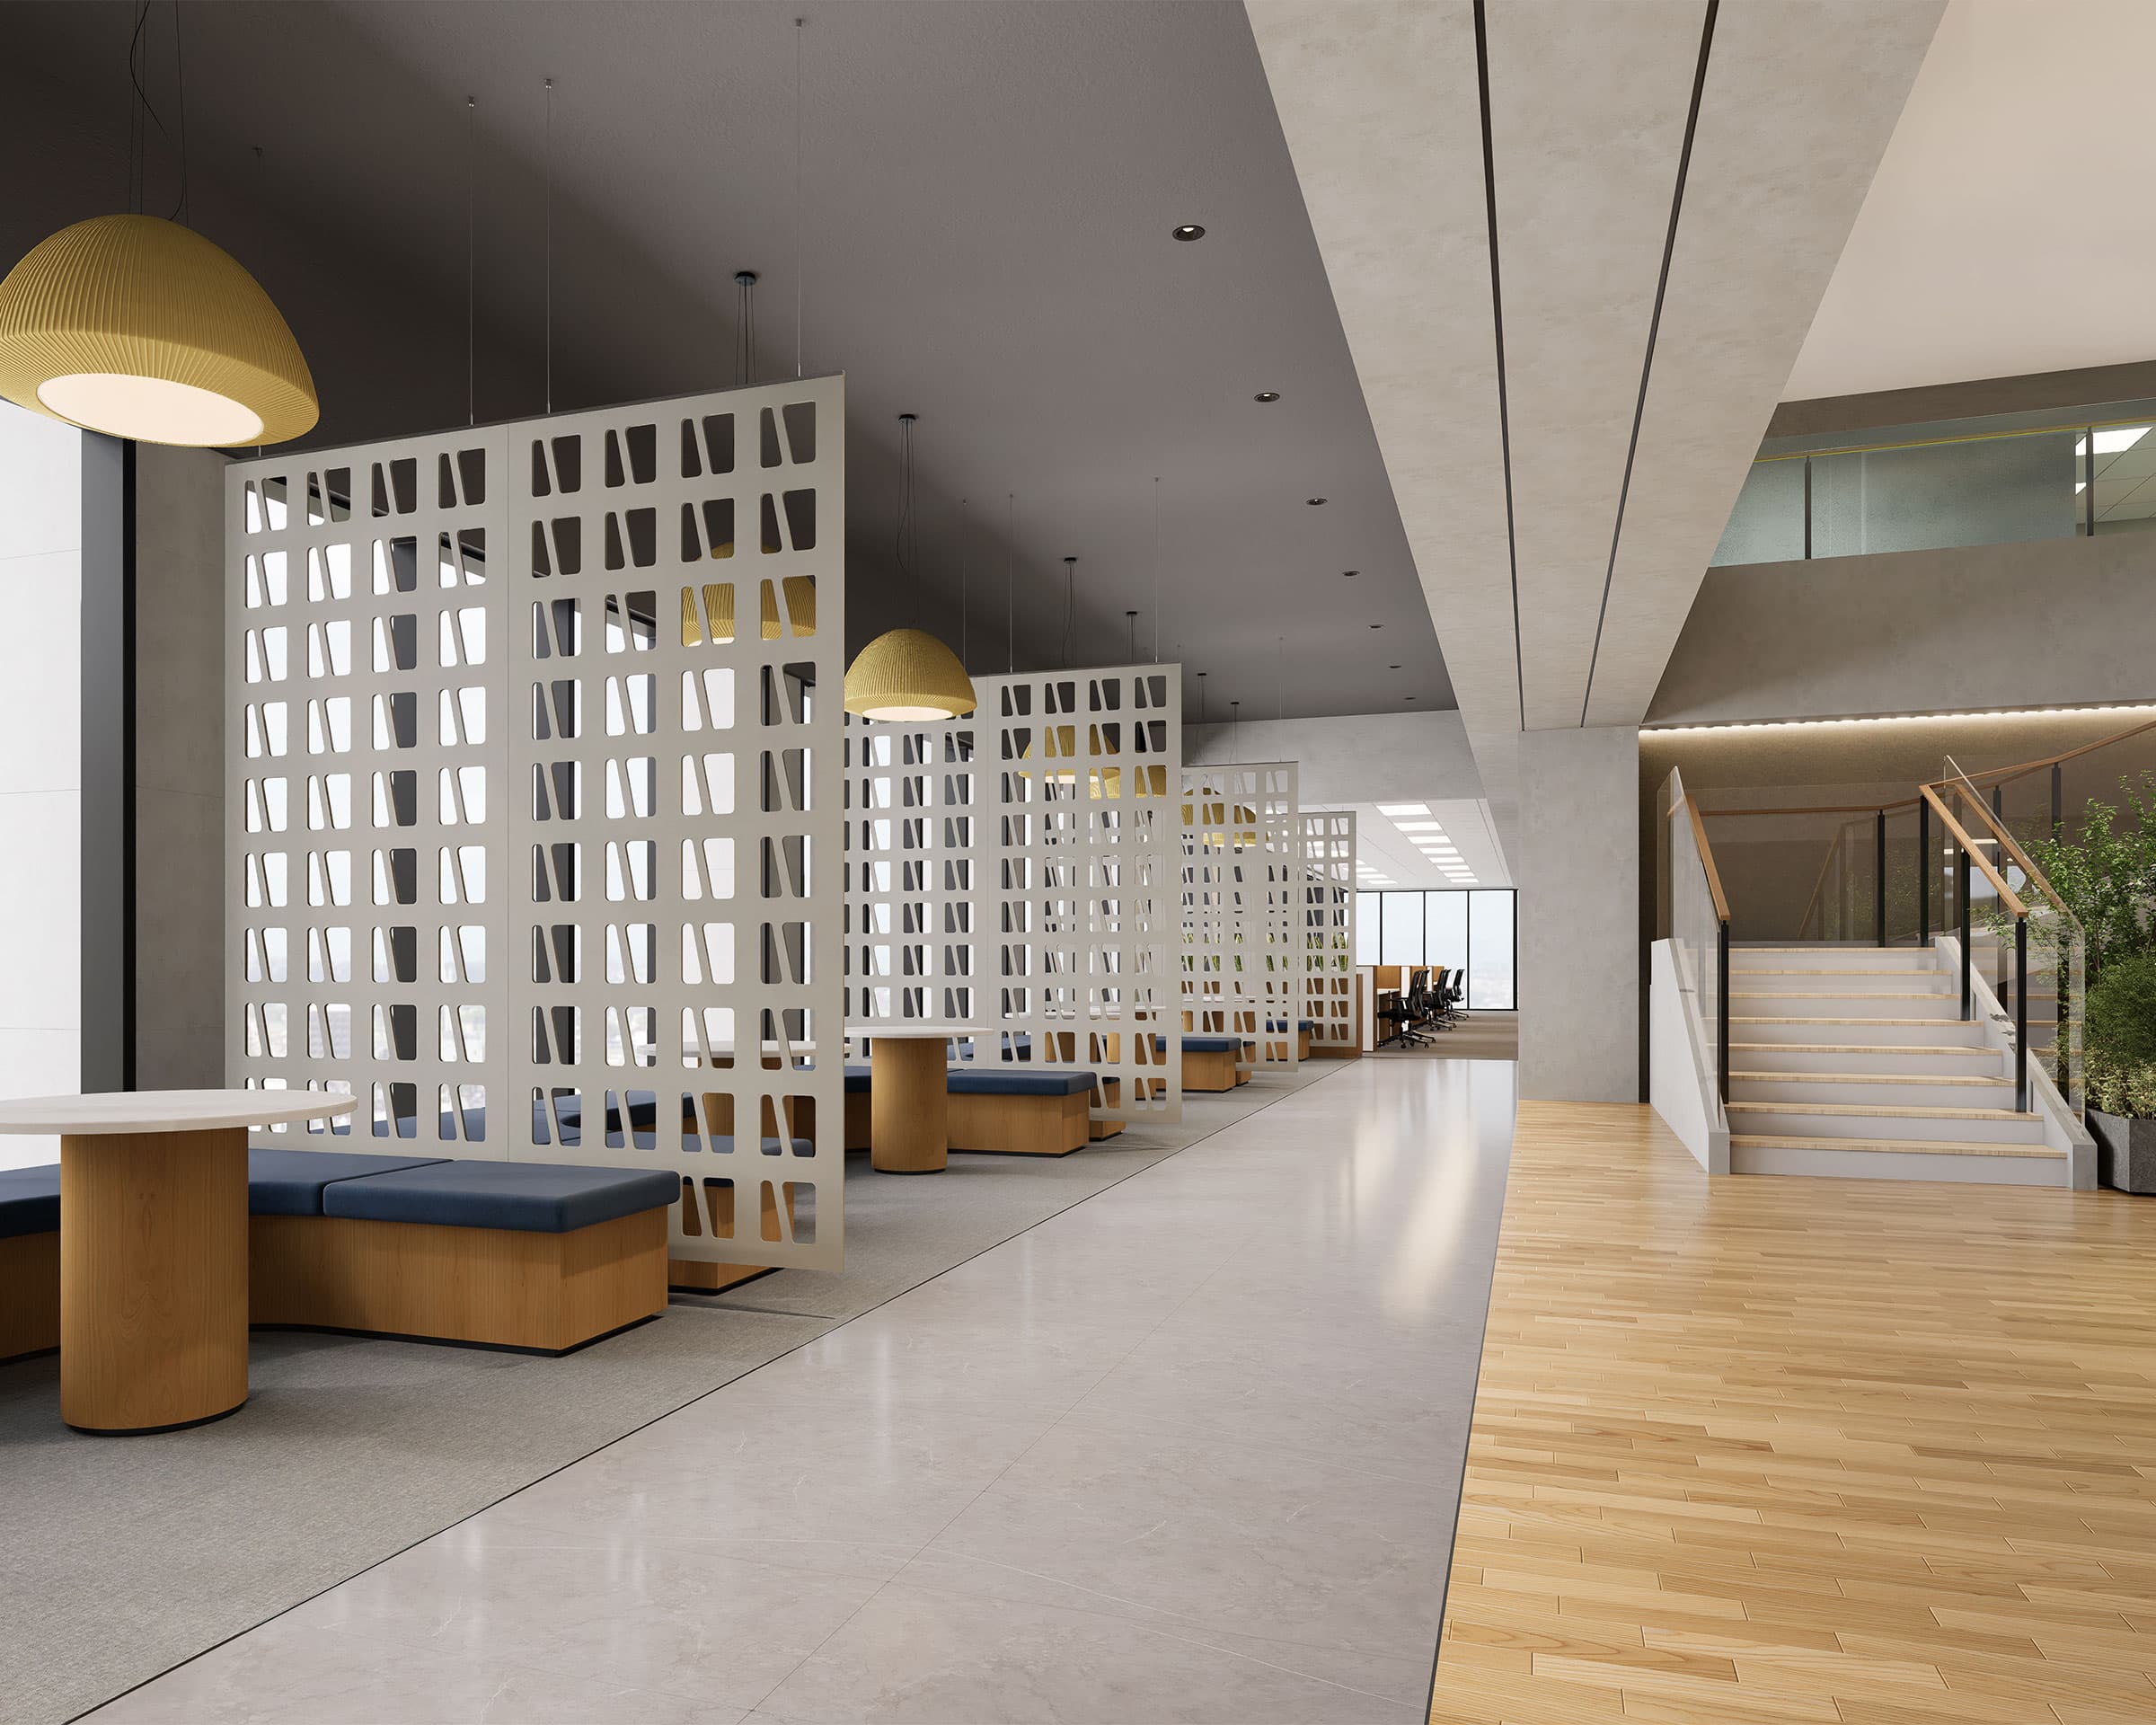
2125 1151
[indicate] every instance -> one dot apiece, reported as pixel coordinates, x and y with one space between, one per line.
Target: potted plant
2119 1070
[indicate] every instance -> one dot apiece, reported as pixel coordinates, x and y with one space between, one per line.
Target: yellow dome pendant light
138 327
907 675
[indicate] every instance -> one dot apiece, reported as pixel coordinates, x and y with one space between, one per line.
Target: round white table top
168 1110
879 1030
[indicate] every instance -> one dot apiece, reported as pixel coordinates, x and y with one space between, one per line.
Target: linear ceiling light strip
1497 319
1654 329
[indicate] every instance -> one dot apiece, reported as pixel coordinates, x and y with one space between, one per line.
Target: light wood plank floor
1777 1449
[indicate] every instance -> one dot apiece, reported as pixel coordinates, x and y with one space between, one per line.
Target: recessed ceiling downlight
140 328
1188 231
1267 396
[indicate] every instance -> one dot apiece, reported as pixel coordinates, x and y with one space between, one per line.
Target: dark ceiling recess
1188 231
1063 358
1267 396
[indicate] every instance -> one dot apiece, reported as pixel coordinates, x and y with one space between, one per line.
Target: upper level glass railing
1696 914
2006 479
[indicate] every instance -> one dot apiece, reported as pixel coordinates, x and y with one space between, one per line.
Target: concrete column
1578 871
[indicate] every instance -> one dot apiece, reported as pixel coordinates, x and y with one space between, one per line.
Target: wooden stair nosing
1914 1147
1891 1110
1952 1078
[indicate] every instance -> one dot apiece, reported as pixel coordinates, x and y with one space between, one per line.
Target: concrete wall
180 767
1367 757
40 766
1578 871
2053 623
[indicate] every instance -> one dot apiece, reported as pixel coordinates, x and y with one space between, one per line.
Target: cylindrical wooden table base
153 1279
909 1110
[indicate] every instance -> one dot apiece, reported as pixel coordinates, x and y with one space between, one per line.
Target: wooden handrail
1995 776
2008 842
2007 896
1822 809
1698 838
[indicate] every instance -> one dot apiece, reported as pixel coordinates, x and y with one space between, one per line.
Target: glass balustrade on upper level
2005 479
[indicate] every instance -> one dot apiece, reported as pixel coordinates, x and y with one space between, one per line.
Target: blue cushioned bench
537 1256
29 1260
1304 1027
1210 1062
1016 1110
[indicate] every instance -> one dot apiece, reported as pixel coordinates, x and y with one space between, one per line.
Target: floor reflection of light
1474 1107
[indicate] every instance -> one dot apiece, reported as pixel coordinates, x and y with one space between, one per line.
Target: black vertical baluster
1923 871
1963 851
1879 885
2020 1015
1721 1011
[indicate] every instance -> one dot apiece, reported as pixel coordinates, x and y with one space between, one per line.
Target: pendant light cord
964 557
798 25
550 245
471 261
744 328
138 56
182 212
1070 569
1156 569
1010 583
906 496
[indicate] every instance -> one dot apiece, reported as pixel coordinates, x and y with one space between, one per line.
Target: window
1490 938
1471 929
1399 926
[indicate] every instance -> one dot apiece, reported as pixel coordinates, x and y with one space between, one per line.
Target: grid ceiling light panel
1079 836
912 871
1329 928
662 806
1243 889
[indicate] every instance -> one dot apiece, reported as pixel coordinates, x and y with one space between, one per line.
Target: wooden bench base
1210 1072
1333 1051
1020 1126
499 1288
30 1294
858 1115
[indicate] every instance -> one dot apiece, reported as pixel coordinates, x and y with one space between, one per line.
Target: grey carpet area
120 1557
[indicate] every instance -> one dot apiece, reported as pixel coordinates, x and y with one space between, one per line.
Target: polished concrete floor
1189 1450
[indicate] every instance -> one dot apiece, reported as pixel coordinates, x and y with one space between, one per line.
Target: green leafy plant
2119 1059
2106 875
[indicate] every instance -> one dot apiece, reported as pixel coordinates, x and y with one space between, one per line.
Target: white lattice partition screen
1243 970
1329 929
912 866
1079 835
623 924
364 749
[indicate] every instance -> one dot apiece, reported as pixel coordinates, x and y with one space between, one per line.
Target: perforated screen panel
1329 929
595 788
1079 849
1243 969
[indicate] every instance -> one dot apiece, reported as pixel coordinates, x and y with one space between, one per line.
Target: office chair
1413 1010
1436 1007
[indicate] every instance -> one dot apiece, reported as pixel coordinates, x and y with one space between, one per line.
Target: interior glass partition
2003 479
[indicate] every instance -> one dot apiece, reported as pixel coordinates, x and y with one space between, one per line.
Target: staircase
1854 1061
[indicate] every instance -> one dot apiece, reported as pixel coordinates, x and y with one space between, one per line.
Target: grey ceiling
982 237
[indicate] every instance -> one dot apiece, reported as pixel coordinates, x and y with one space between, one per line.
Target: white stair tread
1826 971
1839 994
1895 1111
1742 1019
1956 1079
1911 1146
1852 1047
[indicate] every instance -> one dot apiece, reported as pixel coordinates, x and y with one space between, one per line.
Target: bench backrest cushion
291 1183
29 1201
532 1197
